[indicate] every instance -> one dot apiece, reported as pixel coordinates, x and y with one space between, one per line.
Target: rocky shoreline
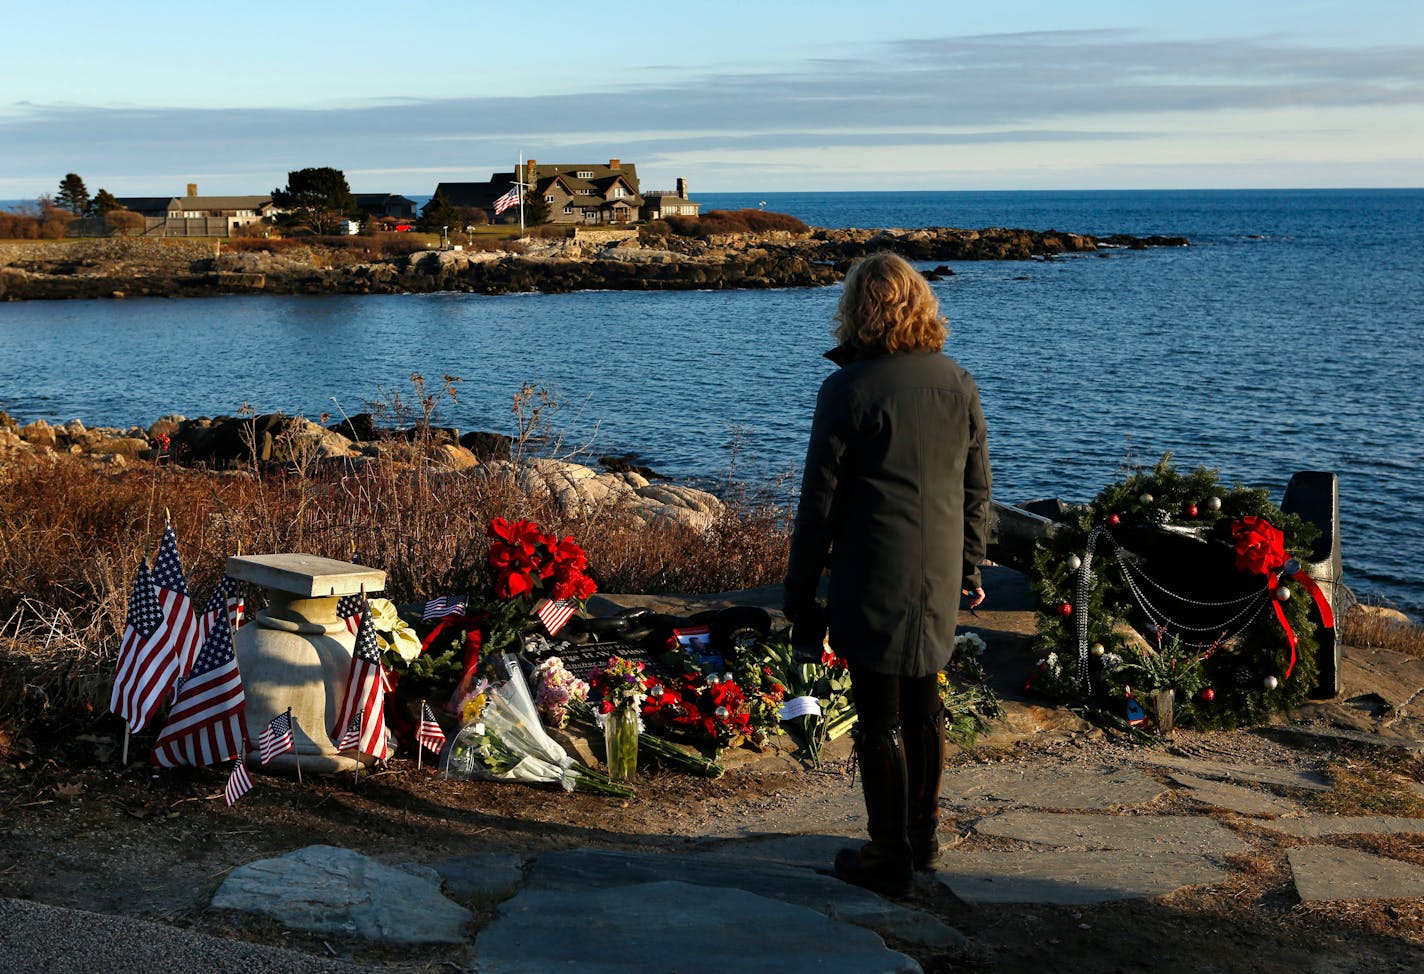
124 267
238 444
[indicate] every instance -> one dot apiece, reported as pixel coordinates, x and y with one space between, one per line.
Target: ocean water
1285 338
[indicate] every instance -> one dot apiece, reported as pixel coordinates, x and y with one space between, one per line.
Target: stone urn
297 653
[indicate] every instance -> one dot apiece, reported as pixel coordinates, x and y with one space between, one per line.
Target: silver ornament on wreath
1074 563
1213 503
1270 683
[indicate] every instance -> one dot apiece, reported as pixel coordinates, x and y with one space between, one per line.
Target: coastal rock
39 433
448 456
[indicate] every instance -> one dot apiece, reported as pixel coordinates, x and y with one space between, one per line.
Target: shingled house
581 193
192 215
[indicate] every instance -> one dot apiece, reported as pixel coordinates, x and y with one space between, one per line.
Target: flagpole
296 755
519 181
419 746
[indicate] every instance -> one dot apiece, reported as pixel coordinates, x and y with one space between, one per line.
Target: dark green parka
895 501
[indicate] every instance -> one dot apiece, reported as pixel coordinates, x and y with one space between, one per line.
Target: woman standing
894 501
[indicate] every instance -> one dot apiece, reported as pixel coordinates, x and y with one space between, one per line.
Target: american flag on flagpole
276 737
147 664
184 628
207 723
238 784
429 733
509 199
445 605
365 697
351 736
348 609
553 614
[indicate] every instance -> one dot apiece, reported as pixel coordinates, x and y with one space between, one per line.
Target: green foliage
103 203
72 195
969 701
316 199
536 209
1236 669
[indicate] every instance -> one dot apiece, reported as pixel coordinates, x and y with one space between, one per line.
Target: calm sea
1286 338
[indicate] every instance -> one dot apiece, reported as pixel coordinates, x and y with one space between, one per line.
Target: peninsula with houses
541 227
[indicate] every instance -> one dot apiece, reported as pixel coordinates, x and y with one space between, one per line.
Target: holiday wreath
1169 582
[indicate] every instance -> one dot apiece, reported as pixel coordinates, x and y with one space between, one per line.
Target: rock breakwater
124 267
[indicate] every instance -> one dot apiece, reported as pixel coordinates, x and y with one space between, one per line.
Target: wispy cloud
1062 87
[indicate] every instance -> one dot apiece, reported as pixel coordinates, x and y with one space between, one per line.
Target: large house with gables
192 215
589 194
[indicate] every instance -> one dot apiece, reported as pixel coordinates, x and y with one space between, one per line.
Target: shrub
732 221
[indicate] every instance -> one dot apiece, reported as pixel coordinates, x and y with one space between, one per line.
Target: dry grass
71 537
1377 785
1381 628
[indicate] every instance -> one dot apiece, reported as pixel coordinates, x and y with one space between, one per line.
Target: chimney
192 189
615 164
681 188
531 171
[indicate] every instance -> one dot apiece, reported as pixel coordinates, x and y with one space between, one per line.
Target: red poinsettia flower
512 584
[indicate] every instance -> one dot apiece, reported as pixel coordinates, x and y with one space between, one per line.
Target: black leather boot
883 864
924 761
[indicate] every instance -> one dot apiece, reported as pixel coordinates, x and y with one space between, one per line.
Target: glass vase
620 740
1162 707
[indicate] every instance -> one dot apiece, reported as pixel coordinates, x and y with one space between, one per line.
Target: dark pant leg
884 863
922 729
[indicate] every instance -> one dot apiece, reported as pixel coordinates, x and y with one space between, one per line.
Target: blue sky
773 96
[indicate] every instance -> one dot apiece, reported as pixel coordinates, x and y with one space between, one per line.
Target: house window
568 209
584 174
619 191
549 198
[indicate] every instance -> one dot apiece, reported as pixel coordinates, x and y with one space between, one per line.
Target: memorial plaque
582 658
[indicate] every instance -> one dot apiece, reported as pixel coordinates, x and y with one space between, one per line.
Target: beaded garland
1228 628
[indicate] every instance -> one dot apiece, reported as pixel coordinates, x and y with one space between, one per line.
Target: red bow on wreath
1261 550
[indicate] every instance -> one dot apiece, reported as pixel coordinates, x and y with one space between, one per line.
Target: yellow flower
391 630
471 708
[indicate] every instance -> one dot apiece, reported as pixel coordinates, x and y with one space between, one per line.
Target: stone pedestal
297 653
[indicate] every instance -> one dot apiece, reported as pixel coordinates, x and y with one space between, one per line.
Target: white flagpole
519 182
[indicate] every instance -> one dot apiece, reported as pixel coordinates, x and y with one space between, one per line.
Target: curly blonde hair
888 307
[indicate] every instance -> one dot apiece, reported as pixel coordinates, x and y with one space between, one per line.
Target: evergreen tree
103 202
317 199
72 195
438 213
536 210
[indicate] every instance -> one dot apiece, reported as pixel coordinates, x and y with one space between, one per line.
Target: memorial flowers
818 706
621 688
508 743
555 687
969 701
530 566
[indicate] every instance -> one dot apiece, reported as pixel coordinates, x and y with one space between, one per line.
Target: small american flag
352 736
365 699
147 663
509 199
276 737
555 614
429 733
348 609
445 605
185 633
239 782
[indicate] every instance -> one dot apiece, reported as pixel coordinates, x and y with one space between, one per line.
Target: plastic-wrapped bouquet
509 743
555 686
